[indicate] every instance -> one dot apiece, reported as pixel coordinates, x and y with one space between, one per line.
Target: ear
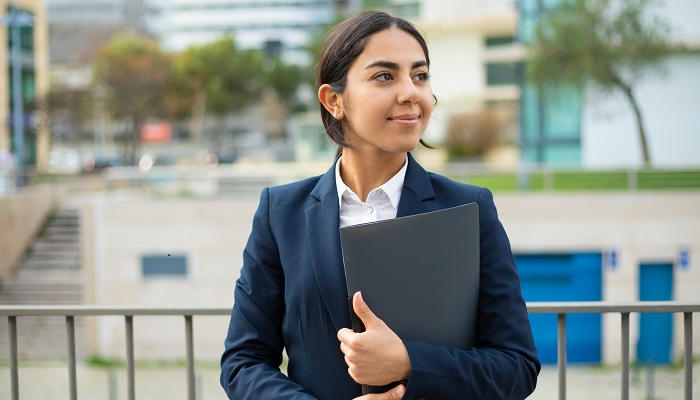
331 101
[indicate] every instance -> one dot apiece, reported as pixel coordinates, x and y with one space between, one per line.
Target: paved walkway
49 382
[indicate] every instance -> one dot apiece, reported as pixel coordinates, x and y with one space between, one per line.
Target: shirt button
370 210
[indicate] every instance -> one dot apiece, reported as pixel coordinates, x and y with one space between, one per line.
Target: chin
402 146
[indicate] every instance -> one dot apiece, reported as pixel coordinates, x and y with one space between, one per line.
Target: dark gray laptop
420 274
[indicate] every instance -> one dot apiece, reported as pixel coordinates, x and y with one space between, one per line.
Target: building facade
281 28
30 18
473 73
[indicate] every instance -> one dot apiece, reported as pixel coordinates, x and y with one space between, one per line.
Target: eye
422 76
383 77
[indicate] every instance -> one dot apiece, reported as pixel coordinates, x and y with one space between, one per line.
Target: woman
375 101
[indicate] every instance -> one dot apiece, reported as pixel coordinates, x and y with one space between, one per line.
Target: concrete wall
117 232
21 218
212 232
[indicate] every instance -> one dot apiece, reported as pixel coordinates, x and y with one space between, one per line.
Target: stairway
49 274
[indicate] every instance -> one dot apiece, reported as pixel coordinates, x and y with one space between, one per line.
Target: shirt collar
392 187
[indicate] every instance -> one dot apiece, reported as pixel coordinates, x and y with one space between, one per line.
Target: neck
362 172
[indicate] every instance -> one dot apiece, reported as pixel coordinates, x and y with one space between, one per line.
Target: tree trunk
640 123
198 115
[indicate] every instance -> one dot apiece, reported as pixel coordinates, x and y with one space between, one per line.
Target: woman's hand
393 394
376 356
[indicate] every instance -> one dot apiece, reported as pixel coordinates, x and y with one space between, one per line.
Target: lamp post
16 19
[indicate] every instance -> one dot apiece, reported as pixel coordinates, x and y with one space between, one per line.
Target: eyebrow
395 66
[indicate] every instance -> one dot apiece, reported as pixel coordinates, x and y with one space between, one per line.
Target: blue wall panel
563 277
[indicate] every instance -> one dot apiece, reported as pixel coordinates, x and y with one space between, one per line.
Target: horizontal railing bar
567 307
611 307
111 310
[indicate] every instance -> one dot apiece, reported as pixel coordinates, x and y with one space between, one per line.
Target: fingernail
400 390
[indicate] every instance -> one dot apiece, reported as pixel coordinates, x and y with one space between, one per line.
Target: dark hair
343 45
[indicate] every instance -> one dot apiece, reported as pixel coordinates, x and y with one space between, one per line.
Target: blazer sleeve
253 347
503 363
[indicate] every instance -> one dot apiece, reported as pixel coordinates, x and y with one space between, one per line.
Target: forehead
393 45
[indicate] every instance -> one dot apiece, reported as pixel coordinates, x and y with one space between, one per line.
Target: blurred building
281 28
78 28
473 75
575 126
33 65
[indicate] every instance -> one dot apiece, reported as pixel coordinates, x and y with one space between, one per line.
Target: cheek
427 102
369 109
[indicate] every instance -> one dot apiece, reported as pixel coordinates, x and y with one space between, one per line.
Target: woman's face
388 99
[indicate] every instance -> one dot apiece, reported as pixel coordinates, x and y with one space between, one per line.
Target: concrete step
62 230
64 222
53 255
41 245
66 212
60 237
58 275
49 264
9 288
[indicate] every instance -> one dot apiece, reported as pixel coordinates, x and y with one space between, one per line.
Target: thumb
362 310
395 393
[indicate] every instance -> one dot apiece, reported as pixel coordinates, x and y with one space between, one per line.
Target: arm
503 364
253 347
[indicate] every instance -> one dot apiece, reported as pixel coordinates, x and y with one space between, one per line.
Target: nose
408 92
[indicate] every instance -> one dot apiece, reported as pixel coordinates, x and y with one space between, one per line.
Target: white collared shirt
382 202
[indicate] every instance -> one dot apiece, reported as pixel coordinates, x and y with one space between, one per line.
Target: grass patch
115 363
588 180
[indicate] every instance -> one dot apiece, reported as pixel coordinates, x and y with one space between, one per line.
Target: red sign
156 132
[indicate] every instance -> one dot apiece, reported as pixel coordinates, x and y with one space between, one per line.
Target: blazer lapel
323 221
417 190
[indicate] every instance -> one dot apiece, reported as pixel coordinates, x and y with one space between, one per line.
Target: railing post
625 355
190 358
70 334
688 339
561 356
14 375
129 321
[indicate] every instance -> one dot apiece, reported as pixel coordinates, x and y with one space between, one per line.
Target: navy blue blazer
291 295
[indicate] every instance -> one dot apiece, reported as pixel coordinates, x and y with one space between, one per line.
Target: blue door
563 277
655 329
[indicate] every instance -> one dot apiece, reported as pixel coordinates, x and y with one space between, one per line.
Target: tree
610 43
134 73
217 78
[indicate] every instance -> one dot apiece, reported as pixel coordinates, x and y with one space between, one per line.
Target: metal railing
70 311
559 308
624 309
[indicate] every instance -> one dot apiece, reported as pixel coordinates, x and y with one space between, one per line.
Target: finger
362 310
345 334
344 348
393 394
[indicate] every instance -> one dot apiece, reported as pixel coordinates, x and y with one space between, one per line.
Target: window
501 74
499 40
162 265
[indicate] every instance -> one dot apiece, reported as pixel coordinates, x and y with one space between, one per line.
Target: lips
404 117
